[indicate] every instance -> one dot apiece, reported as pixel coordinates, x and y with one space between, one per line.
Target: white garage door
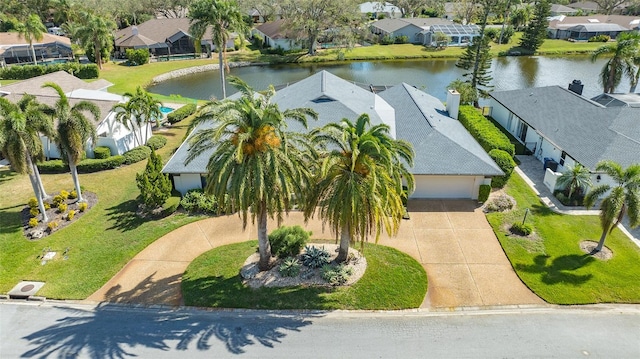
444 187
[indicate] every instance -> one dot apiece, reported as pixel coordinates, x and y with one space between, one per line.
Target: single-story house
584 27
561 125
449 163
588 7
276 36
421 30
164 36
110 133
377 8
557 9
15 49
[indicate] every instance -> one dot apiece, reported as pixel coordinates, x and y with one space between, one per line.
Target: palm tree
621 58
574 180
31 30
256 165
137 111
74 130
95 32
624 198
20 127
359 188
223 17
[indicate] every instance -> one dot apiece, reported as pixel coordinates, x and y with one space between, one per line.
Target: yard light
526 211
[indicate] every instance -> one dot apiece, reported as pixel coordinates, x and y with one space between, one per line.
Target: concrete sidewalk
453 241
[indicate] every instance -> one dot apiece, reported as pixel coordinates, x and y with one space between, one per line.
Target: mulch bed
589 246
33 233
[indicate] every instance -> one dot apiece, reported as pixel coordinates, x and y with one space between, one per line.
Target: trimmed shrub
501 203
34 212
599 38
53 166
62 207
288 241
64 194
486 133
196 201
90 165
57 199
506 164
523 229
33 222
402 39
136 155
33 202
156 142
483 193
89 71
47 205
137 57
70 215
315 257
290 267
82 206
181 113
386 40
52 225
101 152
73 194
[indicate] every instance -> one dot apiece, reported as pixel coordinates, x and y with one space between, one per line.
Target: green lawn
393 280
554 266
101 242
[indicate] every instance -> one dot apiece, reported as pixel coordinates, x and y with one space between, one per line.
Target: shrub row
506 164
89 71
136 155
181 113
156 142
101 152
87 165
486 133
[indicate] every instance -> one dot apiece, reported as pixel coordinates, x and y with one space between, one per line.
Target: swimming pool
165 110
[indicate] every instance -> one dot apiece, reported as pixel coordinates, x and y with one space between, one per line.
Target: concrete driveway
452 239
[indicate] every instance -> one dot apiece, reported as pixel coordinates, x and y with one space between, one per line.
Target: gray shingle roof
584 129
66 81
157 31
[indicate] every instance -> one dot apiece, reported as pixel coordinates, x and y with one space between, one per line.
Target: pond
432 76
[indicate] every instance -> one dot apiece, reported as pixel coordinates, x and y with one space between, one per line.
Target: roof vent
323 99
576 86
134 30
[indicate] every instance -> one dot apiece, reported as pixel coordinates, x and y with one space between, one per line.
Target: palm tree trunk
264 247
221 66
33 53
98 56
76 180
136 132
38 179
36 190
345 241
601 242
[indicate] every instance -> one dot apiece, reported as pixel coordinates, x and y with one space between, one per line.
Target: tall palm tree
223 17
623 198
32 29
359 188
96 32
74 130
20 127
621 55
575 179
256 165
137 111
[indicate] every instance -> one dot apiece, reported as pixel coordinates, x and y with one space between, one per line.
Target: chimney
134 30
453 103
576 86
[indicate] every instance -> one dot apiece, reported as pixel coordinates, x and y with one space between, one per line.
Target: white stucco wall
447 186
186 181
410 31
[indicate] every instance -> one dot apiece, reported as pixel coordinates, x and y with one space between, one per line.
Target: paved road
51 330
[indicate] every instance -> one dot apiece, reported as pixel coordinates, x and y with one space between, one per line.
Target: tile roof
586 130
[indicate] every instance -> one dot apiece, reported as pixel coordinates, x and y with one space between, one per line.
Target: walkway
453 241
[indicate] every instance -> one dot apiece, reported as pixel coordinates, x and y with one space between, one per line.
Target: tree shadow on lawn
559 270
124 217
114 331
11 221
6 175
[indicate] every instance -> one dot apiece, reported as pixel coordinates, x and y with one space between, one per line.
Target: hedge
136 155
53 166
181 113
101 152
483 193
137 57
89 71
87 165
506 164
486 133
156 142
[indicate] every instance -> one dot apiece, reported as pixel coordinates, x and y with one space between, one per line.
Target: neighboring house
110 133
276 36
449 163
588 7
15 49
163 37
561 125
557 9
378 8
421 30
582 28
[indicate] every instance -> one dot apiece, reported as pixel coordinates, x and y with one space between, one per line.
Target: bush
82 206
156 142
483 193
53 166
33 202
34 211
90 165
101 152
290 267
258 41
492 33
486 133
73 194
47 206
89 71
181 113
70 215
336 275
501 203
315 257
154 186
62 207
403 39
386 40
57 199
508 33
136 155
599 38
196 201
523 229
137 57
33 222
52 225
288 241
64 194
506 164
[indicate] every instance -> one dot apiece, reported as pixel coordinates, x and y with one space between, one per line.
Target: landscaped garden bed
62 209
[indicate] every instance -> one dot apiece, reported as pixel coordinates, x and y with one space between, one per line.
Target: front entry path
452 239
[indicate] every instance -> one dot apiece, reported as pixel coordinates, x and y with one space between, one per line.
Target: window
563 156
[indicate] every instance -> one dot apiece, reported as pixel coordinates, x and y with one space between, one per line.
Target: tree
468 94
96 33
536 31
623 198
607 6
441 39
31 30
476 59
20 127
521 16
140 109
621 60
154 186
268 9
73 130
310 18
359 188
576 179
223 17
410 8
256 165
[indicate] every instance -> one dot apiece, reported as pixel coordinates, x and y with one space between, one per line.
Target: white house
111 133
449 163
377 8
421 30
276 36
